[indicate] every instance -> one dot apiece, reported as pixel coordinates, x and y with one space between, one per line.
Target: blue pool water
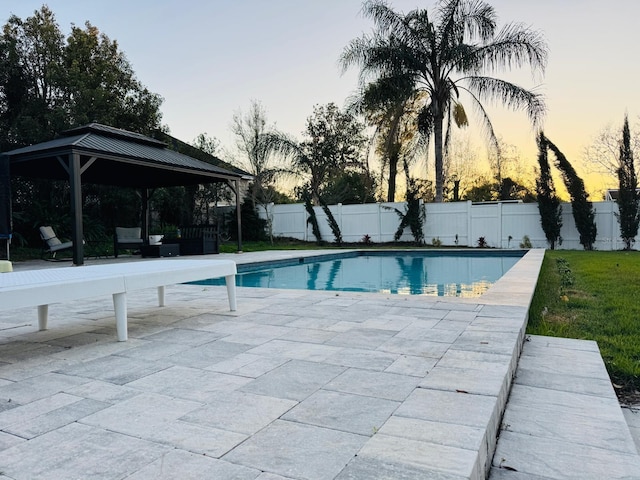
406 273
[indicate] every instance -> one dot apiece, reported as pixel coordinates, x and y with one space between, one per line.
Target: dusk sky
208 59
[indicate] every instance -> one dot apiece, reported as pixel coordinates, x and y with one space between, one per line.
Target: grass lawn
594 296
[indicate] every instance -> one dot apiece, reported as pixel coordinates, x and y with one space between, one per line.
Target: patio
294 385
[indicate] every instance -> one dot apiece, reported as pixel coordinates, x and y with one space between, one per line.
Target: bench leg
231 291
120 307
43 316
161 296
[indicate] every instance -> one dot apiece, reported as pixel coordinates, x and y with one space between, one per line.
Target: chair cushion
49 236
129 234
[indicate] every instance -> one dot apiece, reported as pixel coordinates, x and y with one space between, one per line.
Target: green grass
594 296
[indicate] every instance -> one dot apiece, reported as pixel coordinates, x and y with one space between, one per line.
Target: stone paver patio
294 385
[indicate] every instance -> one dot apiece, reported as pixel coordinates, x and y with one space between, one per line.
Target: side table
162 250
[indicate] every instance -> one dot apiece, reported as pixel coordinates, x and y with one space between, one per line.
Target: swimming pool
436 273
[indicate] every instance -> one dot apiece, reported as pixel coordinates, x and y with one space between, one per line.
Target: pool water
441 274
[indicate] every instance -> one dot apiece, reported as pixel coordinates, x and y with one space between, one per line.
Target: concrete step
563 419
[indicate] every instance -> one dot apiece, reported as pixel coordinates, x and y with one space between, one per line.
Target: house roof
110 156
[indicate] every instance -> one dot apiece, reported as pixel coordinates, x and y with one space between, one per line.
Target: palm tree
445 55
393 109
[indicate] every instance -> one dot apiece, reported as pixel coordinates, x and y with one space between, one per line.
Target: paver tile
54 419
343 411
362 358
489 382
79 451
200 439
298 451
448 407
140 416
383 469
189 383
204 356
389 386
551 458
183 465
239 412
295 380
459 436
369 338
114 369
412 365
35 388
419 348
432 456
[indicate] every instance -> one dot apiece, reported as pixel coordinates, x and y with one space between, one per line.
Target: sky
209 58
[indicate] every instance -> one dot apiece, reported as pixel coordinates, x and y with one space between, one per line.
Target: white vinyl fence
503 225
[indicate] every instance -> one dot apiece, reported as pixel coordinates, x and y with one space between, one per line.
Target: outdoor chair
127 238
52 243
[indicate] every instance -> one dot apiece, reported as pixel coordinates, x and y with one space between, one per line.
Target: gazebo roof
110 156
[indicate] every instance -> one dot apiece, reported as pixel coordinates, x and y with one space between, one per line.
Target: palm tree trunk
393 173
437 141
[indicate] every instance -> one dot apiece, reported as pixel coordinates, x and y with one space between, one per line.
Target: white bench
56 285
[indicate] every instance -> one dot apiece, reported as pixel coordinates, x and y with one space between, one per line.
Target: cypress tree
628 198
548 202
583 213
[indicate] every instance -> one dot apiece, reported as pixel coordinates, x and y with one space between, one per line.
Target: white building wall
503 225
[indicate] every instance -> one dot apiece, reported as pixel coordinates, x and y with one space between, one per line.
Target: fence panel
503 225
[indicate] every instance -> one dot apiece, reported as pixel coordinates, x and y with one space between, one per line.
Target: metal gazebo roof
110 156
104 155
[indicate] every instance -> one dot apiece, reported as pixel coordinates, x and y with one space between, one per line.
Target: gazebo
104 155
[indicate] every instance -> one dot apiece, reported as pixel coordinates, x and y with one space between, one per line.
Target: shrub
526 242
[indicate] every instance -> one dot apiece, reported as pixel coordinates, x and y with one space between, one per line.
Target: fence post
499 224
469 224
379 222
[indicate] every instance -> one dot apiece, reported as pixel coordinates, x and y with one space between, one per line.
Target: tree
100 85
332 144
583 213
350 187
250 130
208 195
392 108
32 55
445 56
548 202
603 154
628 196
48 85
414 215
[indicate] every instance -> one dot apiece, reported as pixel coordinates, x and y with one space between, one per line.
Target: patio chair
52 243
127 238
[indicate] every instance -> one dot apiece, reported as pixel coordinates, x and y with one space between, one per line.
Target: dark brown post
238 215
75 181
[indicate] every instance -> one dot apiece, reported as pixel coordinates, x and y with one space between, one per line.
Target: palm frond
485 121
514 46
509 94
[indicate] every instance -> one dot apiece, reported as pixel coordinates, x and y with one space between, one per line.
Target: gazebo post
238 215
75 181
145 214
